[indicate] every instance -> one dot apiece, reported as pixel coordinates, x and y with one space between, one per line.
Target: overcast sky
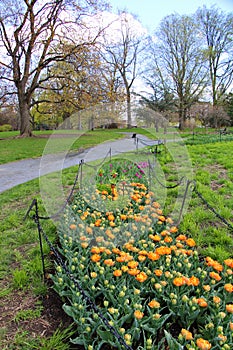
150 12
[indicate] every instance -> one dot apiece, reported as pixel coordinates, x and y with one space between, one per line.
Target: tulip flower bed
145 277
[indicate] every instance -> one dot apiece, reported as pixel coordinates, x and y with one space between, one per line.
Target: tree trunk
181 119
182 114
129 118
156 125
24 112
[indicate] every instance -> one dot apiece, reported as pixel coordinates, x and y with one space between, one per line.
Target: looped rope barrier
150 142
36 217
68 199
161 184
116 152
109 153
230 226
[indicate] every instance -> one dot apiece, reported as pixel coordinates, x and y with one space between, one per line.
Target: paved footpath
18 172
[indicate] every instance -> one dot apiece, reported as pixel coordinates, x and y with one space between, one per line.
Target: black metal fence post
183 201
39 229
81 172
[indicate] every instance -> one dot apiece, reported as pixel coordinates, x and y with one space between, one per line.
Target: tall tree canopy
82 81
216 28
178 62
122 53
30 35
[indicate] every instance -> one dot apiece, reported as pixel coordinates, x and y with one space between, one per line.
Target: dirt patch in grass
217 168
222 174
58 136
215 185
52 315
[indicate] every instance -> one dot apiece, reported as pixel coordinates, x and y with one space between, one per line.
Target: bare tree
123 54
179 63
30 31
158 97
216 27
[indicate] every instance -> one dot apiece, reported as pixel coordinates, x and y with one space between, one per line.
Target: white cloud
113 25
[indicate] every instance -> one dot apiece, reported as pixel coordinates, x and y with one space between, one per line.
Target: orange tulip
186 334
202 302
153 256
141 277
168 239
115 250
194 281
163 250
162 218
154 304
73 226
229 287
215 276
203 344
133 272
109 262
97 223
141 258
158 272
155 205
181 238
229 308
95 250
89 230
95 257
142 252
190 242
117 273
84 245
173 229
155 238
111 217
229 262
132 264
216 300
138 314
179 281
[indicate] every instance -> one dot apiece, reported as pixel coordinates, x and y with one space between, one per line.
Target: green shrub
5 127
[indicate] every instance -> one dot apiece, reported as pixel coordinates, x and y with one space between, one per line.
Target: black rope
61 262
67 201
161 184
188 183
121 152
40 232
98 165
150 142
212 209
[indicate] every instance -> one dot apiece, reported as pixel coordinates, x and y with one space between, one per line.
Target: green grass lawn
12 148
20 260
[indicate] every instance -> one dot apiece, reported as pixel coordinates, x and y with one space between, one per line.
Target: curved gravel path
18 172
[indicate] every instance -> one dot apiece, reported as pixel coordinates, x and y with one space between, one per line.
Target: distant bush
5 127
